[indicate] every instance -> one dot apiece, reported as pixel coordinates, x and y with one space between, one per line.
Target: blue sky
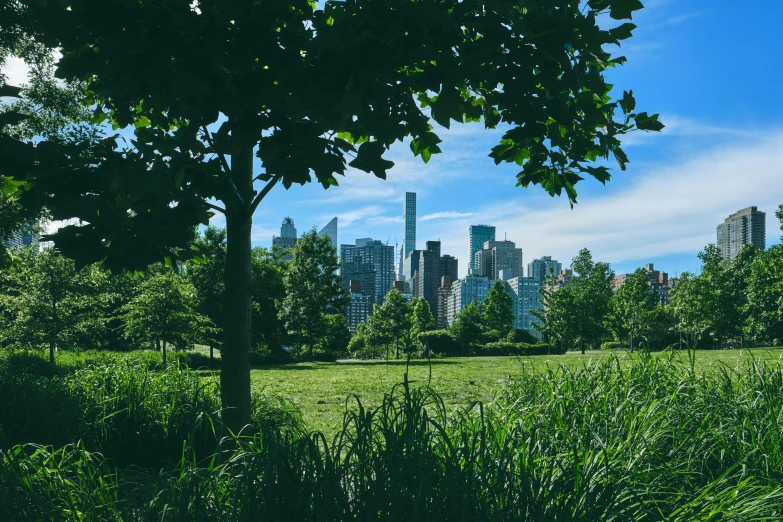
712 69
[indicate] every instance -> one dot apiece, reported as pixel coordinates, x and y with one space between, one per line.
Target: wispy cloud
672 208
448 214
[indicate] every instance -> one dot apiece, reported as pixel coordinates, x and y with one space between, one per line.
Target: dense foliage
652 439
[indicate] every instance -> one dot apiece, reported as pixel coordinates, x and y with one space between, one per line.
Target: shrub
522 336
440 342
613 345
507 348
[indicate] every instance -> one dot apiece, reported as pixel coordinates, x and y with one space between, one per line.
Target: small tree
497 311
765 297
164 311
395 316
206 274
632 308
313 290
268 327
422 320
49 302
467 327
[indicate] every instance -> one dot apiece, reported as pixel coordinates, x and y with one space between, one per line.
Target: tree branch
217 208
261 195
224 164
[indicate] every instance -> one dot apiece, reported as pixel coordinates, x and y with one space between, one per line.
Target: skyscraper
479 234
539 269
330 230
744 227
429 274
526 298
370 264
24 237
287 237
410 223
499 260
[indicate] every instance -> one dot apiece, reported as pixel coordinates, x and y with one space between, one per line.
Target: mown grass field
321 389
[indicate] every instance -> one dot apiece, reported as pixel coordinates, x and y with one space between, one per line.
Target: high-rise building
444 296
360 307
478 235
659 282
526 299
744 227
24 237
330 230
429 274
449 267
287 237
464 292
371 263
410 224
539 269
498 260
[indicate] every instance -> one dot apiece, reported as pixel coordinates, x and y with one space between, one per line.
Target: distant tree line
48 302
728 304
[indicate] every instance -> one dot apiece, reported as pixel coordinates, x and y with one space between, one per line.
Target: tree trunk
235 368
211 352
51 352
164 354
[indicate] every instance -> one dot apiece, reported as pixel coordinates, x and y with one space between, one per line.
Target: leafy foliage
313 291
632 308
164 311
497 310
467 327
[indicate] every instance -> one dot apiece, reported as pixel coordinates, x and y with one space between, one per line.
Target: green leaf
628 103
623 32
10 90
623 9
12 118
426 155
648 123
142 122
620 156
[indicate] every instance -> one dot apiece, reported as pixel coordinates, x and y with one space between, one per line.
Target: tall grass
649 440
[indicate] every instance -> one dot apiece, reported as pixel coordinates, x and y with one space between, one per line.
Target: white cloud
673 207
16 71
448 214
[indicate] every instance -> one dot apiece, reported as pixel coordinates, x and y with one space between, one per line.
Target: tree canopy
308 90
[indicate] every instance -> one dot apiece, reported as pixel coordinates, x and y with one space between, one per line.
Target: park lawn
322 390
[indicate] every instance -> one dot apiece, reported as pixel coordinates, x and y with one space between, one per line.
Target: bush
613 345
506 348
131 414
522 336
440 342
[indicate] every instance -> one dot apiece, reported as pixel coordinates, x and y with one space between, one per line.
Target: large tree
212 85
467 328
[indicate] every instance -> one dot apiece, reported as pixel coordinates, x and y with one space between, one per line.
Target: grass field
321 389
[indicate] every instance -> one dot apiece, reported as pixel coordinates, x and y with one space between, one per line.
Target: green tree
422 320
395 315
632 309
467 328
764 309
47 302
206 274
164 311
575 314
302 86
267 327
313 291
497 311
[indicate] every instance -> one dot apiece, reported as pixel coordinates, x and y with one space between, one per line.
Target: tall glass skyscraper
479 234
410 223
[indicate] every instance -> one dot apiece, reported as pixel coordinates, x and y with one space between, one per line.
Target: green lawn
321 389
